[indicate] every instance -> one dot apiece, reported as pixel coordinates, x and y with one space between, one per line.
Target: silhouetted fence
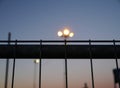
89 49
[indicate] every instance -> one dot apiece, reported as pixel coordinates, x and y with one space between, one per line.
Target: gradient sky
41 19
53 73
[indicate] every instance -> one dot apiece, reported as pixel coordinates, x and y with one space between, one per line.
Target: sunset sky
53 73
42 19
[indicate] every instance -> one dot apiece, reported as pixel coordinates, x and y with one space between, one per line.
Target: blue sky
42 19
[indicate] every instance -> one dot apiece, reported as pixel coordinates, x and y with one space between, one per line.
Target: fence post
91 63
7 63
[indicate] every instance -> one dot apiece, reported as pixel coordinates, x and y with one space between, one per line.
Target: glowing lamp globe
60 33
36 61
71 34
66 32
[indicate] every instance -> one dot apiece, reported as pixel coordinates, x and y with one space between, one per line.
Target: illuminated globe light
36 61
60 33
71 34
66 32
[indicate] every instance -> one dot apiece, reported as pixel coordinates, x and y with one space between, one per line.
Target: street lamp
36 61
65 33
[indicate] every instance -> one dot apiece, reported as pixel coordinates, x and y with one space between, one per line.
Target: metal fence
41 49
66 49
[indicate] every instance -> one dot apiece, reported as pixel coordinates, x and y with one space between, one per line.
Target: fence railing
90 49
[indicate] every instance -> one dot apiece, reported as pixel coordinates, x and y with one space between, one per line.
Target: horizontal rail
55 41
58 51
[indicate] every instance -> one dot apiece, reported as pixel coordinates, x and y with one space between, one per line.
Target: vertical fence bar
13 71
34 77
7 63
116 60
91 63
66 77
40 68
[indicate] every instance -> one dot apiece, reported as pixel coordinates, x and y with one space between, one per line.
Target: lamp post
36 61
65 33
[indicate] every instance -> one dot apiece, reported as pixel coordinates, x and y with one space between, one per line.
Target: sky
53 73
42 19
